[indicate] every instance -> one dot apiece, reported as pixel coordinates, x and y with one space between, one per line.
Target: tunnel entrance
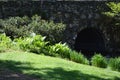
89 41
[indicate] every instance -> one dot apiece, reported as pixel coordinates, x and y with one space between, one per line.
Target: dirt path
10 75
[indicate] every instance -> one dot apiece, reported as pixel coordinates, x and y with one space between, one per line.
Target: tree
113 18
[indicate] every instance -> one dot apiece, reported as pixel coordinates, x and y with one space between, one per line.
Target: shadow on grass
9 70
57 73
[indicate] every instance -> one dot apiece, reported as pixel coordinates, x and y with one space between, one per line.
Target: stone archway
89 40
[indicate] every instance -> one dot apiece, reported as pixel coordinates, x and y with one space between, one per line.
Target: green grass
49 68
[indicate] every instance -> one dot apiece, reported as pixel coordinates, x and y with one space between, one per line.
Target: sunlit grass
49 68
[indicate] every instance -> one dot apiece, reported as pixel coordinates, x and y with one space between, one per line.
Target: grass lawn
50 68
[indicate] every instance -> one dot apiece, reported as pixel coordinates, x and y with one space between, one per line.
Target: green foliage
112 22
115 9
5 42
62 50
78 57
16 26
34 44
114 63
113 14
59 49
37 44
22 43
53 31
99 61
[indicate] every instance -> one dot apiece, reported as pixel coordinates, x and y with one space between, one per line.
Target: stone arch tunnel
89 40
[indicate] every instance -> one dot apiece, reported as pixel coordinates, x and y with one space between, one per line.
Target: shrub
114 63
78 57
38 45
16 26
22 43
52 31
34 44
5 42
99 61
59 49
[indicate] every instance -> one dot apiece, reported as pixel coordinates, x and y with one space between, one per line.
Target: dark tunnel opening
89 41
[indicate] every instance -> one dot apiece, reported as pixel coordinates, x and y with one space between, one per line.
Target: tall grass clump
78 57
114 63
99 61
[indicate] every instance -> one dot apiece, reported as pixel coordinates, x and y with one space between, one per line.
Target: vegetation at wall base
16 27
53 31
5 42
78 57
34 44
37 44
99 61
114 64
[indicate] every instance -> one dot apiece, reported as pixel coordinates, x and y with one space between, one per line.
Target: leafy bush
38 45
78 57
22 43
59 49
114 63
52 31
34 44
16 26
5 42
99 61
